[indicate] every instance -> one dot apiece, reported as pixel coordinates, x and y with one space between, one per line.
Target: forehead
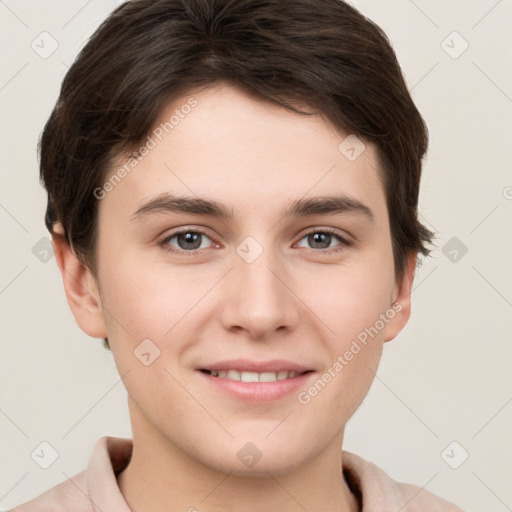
249 154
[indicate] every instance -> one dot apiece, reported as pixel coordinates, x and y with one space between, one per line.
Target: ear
401 300
81 288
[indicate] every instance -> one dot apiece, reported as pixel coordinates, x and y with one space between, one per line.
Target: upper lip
274 365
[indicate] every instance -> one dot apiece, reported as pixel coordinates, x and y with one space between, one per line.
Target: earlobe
81 288
401 304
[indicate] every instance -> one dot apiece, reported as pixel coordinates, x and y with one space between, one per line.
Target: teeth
245 376
254 376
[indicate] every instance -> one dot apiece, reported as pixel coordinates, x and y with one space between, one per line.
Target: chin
258 458
264 467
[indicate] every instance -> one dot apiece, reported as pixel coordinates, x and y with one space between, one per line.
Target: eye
191 241
321 239
185 241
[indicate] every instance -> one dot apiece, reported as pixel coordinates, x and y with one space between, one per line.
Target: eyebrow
321 205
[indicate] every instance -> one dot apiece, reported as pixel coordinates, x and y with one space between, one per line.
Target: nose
259 297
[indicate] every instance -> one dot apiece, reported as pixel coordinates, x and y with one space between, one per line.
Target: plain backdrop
444 387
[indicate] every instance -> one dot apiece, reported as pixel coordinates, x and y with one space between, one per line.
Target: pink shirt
95 489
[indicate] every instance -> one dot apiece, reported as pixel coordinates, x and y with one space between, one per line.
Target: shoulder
68 496
379 492
93 489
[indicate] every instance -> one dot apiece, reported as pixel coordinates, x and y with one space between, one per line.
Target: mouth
254 387
255 381
249 376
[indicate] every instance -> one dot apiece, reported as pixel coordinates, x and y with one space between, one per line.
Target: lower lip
258 391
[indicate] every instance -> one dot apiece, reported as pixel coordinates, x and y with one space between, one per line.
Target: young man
232 195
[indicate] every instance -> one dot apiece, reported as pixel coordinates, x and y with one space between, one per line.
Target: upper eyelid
202 231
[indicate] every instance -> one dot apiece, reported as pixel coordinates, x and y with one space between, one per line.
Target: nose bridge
258 300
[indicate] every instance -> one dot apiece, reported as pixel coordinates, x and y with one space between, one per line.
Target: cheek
350 298
350 301
351 307
149 300
145 314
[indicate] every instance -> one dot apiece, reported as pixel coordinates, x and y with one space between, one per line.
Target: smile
246 376
256 387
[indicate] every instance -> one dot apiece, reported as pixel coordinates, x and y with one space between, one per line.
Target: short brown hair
321 53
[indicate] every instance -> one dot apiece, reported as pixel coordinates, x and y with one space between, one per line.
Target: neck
161 476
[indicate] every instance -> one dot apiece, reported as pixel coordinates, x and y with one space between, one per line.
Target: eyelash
344 243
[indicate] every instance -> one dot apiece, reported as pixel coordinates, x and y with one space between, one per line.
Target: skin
297 301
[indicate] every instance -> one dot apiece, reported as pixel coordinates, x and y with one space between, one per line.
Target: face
264 274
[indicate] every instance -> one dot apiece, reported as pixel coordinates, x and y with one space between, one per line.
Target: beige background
445 378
